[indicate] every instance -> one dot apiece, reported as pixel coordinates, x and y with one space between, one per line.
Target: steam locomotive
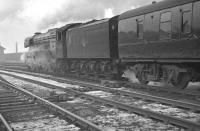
158 42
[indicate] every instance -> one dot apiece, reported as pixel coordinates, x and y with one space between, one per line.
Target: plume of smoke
25 17
84 10
130 75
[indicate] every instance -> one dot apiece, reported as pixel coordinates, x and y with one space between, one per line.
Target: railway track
18 107
190 105
130 108
193 94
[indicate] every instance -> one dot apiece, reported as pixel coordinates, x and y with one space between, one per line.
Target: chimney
37 33
154 2
16 47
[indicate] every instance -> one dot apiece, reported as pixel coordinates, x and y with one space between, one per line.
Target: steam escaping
108 13
130 75
22 57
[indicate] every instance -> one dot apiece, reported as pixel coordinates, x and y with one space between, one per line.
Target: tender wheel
182 81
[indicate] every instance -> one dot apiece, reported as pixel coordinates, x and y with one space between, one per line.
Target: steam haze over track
22 18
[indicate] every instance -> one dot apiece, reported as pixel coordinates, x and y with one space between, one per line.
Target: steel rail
175 103
133 109
5 123
53 107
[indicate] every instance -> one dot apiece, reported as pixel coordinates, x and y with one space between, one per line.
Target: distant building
9 57
12 57
2 50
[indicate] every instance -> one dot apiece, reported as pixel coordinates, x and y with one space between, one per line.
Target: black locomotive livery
158 42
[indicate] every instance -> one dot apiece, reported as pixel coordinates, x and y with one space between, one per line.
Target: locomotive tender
158 42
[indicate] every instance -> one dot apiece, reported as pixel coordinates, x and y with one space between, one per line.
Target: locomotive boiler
42 51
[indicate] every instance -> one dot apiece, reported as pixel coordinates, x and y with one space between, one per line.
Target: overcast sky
22 18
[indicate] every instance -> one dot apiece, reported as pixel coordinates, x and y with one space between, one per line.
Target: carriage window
127 30
165 25
186 22
140 29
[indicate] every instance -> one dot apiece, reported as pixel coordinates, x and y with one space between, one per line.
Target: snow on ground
37 120
115 120
112 119
160 108
99 93
34 88
176 112
146 105
48 124
48 81
77 100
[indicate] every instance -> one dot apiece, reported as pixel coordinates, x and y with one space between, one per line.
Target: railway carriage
160 42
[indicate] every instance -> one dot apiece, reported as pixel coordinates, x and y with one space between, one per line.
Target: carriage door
196 19
186 20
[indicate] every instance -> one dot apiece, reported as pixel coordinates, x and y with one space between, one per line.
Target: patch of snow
36 89
180 113
99 93
77 100
52 82
50 124
113 119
